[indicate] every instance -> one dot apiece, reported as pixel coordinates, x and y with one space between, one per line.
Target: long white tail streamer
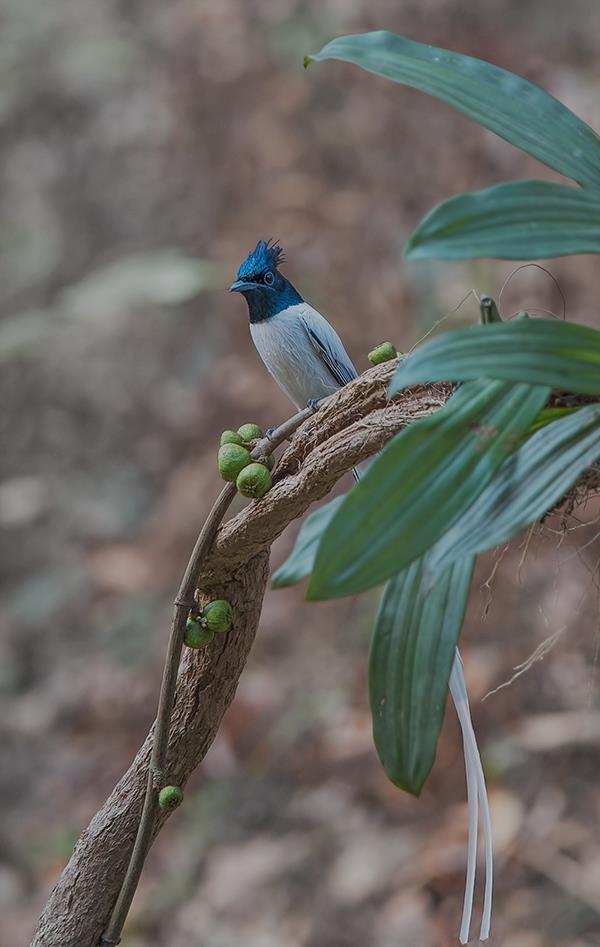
476 795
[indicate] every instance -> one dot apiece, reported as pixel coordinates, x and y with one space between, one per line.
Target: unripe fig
382 353
170 797
254 481
231 437
231 459
197 634
218 615
249 432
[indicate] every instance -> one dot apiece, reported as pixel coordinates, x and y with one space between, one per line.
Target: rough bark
80 903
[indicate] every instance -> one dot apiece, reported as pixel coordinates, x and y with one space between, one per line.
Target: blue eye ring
269 278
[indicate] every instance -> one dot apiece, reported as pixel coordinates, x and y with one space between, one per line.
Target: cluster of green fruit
200 628
215 618
252 479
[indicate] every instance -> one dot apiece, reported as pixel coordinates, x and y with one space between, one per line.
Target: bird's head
266 291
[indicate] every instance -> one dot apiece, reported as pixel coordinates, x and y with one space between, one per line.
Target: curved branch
353 424
81 902
185 600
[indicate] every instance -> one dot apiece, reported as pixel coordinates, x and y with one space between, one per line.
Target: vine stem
184 601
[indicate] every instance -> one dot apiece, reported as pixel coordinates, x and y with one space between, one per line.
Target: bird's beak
242 286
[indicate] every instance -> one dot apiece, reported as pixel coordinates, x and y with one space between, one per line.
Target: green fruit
383 353
197 635
170 797
254 481
231 437
249 432
218 615
231 459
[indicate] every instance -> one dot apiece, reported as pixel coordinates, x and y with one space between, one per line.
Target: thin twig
184 601
538 655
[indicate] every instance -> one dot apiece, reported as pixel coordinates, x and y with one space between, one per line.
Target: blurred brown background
145 148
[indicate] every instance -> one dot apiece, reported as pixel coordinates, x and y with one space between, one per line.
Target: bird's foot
313 404
270 432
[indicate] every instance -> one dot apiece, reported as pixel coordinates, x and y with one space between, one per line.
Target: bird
307 359
298 346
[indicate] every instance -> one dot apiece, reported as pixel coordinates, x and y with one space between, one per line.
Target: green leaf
518 221
513 108
528 484
423 480
300 561
540 351
411 657
547 416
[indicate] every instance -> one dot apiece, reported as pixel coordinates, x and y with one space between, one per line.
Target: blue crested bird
302 352
307 359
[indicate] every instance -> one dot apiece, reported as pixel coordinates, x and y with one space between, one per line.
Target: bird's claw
270 432
313 404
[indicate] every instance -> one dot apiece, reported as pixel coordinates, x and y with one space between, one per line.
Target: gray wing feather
328 346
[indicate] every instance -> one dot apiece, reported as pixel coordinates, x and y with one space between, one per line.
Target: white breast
285 347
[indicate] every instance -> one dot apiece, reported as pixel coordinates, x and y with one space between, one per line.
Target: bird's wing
328 346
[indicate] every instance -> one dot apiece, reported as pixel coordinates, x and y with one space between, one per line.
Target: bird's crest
267 255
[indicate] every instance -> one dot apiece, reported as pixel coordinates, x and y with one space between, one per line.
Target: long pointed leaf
513 108
540 351
425 478
411 657
525 220
528 484
300 561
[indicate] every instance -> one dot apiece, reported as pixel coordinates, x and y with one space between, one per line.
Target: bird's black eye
269 278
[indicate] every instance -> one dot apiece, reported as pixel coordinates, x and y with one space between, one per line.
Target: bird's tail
476 795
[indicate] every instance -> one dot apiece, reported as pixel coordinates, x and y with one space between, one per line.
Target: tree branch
158 758
353 424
